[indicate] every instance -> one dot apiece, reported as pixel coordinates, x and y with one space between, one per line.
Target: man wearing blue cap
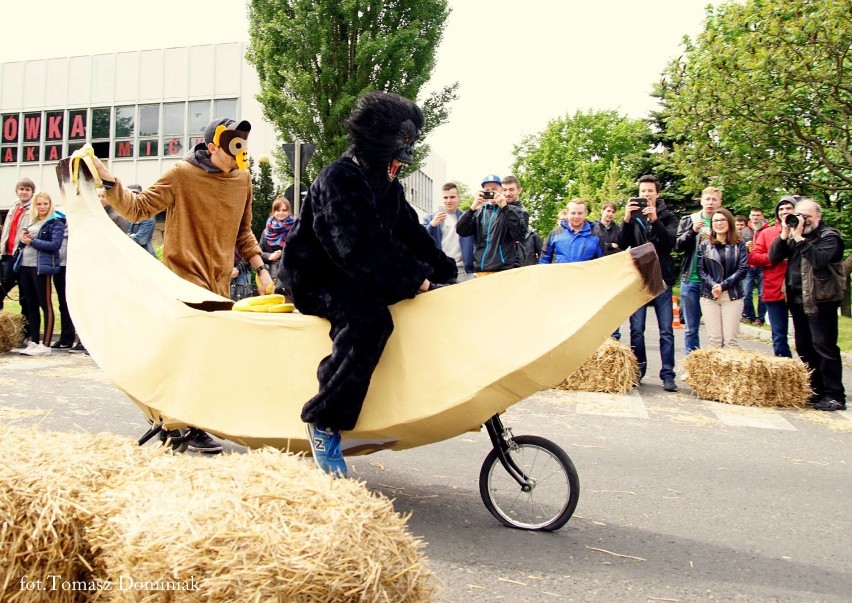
497 226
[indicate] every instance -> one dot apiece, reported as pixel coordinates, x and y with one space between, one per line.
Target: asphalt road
681 499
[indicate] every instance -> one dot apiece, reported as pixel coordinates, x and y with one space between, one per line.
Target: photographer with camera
648 220
814 283
497 226
773 276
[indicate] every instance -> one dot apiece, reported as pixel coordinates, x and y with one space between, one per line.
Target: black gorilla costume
357 248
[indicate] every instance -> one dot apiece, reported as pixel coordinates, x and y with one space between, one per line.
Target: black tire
553 498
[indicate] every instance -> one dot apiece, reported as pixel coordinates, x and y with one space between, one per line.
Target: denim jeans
753 277
777 312
662 305
690 296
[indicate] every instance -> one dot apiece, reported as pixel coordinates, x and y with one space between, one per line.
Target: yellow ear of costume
219 130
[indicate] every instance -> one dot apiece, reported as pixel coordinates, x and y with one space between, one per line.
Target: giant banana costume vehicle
453 363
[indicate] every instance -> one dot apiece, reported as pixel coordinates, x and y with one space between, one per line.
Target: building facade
141 111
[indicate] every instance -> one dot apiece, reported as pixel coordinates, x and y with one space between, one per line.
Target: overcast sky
520 63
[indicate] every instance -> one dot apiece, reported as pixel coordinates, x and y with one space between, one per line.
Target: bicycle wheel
551 501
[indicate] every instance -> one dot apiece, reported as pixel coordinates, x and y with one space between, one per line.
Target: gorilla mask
383 128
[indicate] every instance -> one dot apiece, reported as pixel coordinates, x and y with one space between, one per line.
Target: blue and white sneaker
325 446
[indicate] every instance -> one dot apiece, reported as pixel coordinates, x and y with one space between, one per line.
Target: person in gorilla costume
357 248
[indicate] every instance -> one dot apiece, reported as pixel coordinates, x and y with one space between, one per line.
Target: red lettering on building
148 149
173 146
32 127
53 152
78 127
9 155
10 128
54 127
123 149
30 153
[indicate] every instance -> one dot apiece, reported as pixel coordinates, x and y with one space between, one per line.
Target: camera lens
791 220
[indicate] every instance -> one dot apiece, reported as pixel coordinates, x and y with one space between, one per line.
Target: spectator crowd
791 262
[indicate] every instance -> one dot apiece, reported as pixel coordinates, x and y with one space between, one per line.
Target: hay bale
241 527
747 378
613 369
11 327
45 479
256 527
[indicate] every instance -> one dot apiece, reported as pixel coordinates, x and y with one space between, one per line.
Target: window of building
199 117
225 108
125 129
9 140
174 120
54 126
101 124
149 131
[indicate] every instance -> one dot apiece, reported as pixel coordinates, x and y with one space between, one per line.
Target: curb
759 334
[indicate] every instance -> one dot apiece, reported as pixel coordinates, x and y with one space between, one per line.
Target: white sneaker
26 350
38 350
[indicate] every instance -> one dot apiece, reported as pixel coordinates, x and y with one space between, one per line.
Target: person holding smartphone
652 222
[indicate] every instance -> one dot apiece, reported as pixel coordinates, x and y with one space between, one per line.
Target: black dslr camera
792 220
487 194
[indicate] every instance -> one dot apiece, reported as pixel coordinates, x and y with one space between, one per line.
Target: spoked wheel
550 490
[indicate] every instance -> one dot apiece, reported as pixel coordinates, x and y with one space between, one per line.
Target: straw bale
747 378
612 369
261 526
11 326
44 481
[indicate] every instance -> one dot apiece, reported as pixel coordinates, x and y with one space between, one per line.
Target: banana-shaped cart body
457 356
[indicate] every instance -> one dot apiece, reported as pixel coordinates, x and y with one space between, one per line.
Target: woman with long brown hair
722 264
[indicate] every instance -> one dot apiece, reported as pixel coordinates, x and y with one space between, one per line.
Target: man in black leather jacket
814 284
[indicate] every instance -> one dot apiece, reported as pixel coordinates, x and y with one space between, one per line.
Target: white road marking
749 416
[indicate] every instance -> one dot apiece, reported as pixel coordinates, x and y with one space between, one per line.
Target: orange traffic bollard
676 323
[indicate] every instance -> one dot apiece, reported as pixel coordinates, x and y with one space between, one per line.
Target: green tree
315 57
574 156
761 102
263 193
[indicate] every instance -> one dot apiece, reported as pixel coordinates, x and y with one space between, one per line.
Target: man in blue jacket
575 239
441 226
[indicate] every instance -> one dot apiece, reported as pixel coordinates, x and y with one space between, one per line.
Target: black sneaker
829 404
78 349
669 385
200 441
61 345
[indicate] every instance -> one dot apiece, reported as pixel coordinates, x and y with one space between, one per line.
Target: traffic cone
676 324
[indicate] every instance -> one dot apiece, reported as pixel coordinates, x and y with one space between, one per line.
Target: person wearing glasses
691 232
814 283
722 263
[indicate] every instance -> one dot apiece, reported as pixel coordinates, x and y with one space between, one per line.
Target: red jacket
773 274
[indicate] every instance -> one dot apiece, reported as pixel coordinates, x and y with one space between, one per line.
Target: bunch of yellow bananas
264 303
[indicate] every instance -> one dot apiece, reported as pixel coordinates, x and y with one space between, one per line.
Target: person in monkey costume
357 248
